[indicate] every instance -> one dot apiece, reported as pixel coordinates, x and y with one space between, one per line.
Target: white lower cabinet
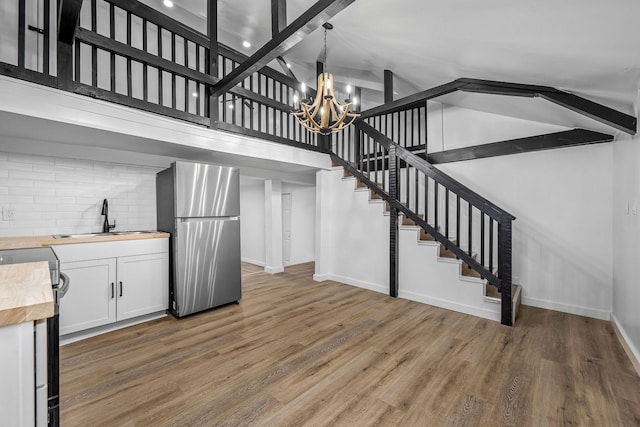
108 290
90 301
143 285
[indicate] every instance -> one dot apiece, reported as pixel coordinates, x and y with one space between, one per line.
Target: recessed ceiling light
246 44
168 3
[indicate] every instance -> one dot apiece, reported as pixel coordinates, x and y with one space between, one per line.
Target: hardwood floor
297 352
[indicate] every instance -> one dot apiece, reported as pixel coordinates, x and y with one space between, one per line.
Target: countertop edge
25 293
25 242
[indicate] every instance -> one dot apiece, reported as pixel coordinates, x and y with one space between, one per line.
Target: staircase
449 246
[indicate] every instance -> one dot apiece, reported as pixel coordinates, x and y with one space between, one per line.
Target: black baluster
458 219
482 238
446 214
470 228
491 245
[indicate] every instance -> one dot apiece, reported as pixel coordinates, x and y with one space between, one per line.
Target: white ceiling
588 47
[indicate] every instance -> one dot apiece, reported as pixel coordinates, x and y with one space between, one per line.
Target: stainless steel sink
111 233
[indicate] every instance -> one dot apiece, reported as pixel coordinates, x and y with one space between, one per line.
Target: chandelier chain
325 51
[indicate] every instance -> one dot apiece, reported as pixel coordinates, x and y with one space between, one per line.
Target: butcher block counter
25 293
39 241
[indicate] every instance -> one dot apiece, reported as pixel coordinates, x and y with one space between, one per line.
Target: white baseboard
254 261
355 282
273 270
81 335
321 277
627 344
451 305
567 308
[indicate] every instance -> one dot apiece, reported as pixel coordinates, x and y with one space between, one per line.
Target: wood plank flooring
296 352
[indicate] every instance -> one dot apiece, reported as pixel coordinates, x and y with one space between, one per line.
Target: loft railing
128 53
407 127
475 230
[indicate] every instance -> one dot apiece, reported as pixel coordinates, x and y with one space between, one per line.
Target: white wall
352 234
626 230
451 127
252 221
562 248
52 195
303 220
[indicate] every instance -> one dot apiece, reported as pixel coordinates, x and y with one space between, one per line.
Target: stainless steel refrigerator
199 204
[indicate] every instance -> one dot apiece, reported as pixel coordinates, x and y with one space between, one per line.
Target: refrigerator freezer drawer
207 264
205 190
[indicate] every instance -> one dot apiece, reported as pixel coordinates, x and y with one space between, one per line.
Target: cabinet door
91 298
17 388
143 285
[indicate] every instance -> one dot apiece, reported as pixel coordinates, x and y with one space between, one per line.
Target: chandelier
324 115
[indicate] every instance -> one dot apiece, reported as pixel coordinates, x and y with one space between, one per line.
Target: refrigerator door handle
210 218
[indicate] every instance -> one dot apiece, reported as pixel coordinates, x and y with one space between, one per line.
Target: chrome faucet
106 227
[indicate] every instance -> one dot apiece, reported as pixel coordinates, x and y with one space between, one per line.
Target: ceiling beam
68 17
285 67
593 110
411 101
278 16
310 20
547 141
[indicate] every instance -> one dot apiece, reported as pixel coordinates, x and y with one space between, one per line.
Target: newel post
504 266
393 222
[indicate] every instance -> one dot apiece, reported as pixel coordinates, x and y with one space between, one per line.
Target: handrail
422 193
425 167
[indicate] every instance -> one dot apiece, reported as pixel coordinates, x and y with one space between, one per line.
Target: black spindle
129 78
470 229
46 37
446 213
458 219
173 75
145 83
94 49
22 27
491 245
160 83
435 204
482 238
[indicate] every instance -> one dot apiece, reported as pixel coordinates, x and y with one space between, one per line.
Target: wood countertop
25 293
39 241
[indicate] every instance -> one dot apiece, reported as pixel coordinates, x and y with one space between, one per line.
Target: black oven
47 412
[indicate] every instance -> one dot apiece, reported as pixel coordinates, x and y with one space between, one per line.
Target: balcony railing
129 53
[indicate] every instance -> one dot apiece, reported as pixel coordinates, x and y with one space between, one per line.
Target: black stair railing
472 228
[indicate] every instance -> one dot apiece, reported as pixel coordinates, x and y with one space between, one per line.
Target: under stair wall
354 231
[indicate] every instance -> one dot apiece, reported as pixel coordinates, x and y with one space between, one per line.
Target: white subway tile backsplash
29 175
28 158
8 165
52 195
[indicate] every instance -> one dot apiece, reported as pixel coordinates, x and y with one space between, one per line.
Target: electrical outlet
8 213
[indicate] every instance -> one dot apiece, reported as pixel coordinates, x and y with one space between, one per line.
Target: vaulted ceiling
588 47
